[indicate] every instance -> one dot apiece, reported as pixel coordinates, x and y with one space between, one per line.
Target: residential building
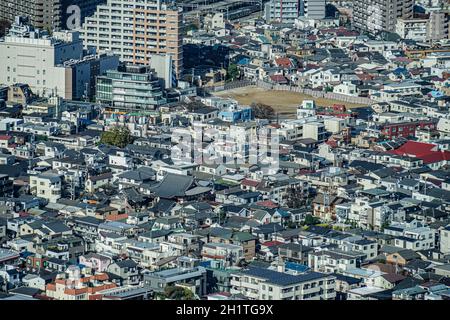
287 11
264 284
378 16
47 185
136 30
47 14
130 88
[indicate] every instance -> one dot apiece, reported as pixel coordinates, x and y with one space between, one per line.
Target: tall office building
287 11
47 14
137 29
375 16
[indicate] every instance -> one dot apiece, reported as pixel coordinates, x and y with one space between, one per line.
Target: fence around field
280 87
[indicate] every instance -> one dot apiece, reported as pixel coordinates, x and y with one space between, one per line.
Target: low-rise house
95 261
127 272
333 261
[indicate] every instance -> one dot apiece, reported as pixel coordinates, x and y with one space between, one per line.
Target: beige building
136 30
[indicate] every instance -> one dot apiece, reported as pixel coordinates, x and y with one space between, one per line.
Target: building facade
136 30
47 14
287 11
130 88
375 16
264 284
50 65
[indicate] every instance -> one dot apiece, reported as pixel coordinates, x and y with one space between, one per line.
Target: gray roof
57 227
280 278
173 185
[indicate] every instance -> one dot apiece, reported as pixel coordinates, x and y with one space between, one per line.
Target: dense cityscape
224 150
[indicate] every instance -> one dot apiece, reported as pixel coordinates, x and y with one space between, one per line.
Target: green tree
41 137
192 27
232 72
118 136
311 220
178 293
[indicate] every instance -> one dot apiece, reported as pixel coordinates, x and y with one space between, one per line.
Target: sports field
284 102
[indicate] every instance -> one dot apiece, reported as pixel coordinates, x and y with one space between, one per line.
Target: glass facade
132 88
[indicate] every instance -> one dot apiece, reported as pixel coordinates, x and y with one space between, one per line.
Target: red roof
272 243
278 78
428 152
5 137
365 76
249 182
283 62
267 204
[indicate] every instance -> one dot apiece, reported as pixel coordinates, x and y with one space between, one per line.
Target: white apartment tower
287 11
136 29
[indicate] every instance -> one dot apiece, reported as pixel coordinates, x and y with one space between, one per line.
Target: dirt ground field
284 102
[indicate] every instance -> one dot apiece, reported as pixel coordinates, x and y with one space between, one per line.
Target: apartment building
265 284
287 11
136 30
50 65
433 28
413 235
47 14
375 16
414 29
130 88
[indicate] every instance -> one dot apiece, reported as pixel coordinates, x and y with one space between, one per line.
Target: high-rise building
130 88
47 14
375 16
51 65
287 11
137 29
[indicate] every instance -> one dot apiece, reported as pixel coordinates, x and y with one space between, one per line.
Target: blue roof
436 93
280 278
400 71
205 264
296 266
244 61
283 213
26 254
